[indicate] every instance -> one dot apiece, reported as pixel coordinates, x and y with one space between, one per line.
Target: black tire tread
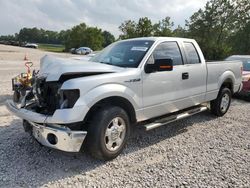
97 126
215 104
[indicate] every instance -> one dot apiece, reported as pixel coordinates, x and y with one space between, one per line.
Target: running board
175 117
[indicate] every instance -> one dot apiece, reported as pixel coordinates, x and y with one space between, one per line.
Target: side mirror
159 66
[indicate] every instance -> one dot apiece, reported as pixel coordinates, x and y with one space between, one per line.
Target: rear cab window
191 53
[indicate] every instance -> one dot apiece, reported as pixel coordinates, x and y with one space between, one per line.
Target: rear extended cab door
195 73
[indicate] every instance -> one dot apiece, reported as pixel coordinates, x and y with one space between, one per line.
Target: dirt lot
201 151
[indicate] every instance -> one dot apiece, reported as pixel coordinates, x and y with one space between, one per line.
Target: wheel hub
115 134
225 102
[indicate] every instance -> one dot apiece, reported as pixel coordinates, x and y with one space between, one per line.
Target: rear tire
221 104
108 133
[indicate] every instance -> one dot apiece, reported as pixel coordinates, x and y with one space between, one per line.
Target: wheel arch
115 101
227 79
228 83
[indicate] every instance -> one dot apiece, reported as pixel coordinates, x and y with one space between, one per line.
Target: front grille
47 95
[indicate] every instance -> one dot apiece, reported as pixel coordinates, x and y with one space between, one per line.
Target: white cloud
108 14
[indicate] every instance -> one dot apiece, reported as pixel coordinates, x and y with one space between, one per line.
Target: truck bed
217 71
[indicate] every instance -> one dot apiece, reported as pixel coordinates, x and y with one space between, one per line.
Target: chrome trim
174 118
67 140
24 113
60 116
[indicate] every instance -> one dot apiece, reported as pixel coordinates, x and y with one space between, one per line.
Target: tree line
80 35
221 28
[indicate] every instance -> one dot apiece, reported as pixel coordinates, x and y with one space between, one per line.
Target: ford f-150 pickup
93 104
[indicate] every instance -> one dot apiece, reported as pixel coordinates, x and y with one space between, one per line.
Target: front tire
108 133
221 104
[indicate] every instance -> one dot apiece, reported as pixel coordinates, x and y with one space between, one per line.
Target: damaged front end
47 97
51 106
37 108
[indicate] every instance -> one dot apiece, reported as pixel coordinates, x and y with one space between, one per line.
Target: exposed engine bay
45 97
33 92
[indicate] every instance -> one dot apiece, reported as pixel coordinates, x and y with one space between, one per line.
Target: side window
192 54
168 50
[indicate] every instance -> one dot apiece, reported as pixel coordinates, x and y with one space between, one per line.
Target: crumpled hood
53 67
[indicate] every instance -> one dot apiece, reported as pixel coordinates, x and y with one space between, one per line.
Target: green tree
9 37
81 35
76 36
128 29
144 27
25 35
180 32
240 41
93 38
38 36
213 26
108 38
163 28
63 36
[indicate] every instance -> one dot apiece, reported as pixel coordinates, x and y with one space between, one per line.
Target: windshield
124 53
245 61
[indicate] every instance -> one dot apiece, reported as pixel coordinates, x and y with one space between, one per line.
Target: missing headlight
69 98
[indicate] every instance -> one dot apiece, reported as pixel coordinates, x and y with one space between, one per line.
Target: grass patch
51 47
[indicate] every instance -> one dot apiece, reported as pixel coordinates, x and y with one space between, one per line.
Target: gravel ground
201 151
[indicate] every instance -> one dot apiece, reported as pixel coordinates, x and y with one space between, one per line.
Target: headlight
68 98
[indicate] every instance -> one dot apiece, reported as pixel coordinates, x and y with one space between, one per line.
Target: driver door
162 91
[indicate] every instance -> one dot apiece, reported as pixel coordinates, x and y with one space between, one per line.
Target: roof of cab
160 38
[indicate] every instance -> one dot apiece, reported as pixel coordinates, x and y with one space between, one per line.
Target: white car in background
83 51
31 45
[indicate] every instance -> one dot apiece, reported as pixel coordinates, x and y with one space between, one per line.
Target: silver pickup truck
93 104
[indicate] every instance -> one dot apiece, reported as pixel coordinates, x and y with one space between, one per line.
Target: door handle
185 76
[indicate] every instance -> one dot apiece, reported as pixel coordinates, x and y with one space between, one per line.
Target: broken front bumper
51 135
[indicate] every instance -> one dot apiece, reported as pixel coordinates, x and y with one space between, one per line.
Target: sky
59 15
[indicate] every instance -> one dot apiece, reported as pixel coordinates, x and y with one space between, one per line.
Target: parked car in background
12 42
31 45
83 51
72 50
246 73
